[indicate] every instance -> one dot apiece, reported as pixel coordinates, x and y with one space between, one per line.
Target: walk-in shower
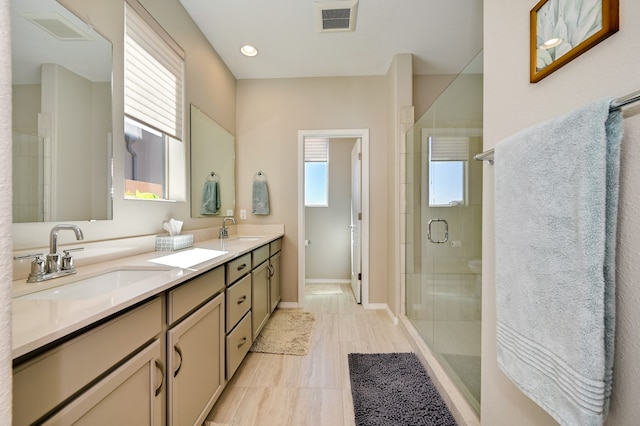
444 229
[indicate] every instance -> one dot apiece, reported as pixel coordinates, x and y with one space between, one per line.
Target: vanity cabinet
195 347
239 312
164 361
261 305
62 378
275 294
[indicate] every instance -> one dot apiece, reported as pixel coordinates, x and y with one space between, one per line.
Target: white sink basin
188 258
246 238
95 286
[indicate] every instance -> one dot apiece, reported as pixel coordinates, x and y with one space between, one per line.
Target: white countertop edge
31 333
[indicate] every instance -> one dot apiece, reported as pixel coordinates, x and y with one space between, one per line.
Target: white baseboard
288 305
375 306
325 281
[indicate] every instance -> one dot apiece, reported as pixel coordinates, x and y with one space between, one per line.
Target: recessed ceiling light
248 50
552 42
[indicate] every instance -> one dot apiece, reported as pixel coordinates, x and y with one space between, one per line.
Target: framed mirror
62 120
213 183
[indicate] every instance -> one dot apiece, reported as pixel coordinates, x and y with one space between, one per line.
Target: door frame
363 134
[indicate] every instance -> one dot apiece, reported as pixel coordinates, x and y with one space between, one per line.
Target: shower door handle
446 231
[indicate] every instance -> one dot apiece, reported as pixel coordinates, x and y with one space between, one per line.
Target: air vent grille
333 19
337 15
57 26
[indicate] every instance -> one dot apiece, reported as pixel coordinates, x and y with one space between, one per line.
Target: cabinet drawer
192 294
238 301
238 267
45 381
275 246
238 344
260 255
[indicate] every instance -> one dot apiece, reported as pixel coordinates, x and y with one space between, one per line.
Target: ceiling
442 35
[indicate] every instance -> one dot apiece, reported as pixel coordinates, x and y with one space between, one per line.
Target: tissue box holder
173 243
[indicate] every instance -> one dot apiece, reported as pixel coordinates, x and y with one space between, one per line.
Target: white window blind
316 150
153 76
449 148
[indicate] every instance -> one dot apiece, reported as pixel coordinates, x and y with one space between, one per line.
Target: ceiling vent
332 16
56 25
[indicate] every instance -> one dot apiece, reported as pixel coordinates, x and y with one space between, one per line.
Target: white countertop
37 322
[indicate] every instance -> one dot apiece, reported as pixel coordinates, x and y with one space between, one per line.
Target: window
153 107
448 158
316 172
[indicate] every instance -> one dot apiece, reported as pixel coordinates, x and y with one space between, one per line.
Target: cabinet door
260 303
195 358
129 395
274 281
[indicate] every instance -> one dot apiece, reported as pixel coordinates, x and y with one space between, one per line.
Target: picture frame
562 30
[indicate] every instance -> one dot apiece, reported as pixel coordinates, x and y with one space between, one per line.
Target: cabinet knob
242 299
242 342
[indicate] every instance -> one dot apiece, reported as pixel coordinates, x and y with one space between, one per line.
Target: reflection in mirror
61 120
212 167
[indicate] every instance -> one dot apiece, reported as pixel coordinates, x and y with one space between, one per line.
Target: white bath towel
556 193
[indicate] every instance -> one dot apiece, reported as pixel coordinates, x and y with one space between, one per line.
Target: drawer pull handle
271 270
161 368
241 267
179 352
242 342
242 299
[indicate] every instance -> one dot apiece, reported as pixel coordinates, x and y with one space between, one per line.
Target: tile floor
282 390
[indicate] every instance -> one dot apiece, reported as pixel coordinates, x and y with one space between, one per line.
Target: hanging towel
210 198
260 197
556 195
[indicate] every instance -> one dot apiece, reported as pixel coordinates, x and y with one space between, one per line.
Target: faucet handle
28 256
37 265
67 260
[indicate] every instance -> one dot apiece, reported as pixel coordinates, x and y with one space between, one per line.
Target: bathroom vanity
158 350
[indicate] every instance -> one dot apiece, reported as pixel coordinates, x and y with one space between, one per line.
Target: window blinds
153 76
449 148
316 150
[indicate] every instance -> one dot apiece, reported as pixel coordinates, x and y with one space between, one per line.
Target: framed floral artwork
561 30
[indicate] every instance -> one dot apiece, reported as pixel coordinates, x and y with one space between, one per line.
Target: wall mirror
213 182
62 120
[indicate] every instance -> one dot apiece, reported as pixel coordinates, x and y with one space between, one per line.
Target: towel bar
615 105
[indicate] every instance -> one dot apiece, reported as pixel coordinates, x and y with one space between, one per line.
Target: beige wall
209 85
270 113
329 255
427 88
511 103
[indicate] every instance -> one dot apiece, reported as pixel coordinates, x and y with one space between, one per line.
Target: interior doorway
362 135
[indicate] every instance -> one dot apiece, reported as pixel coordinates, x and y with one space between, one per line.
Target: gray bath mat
394 389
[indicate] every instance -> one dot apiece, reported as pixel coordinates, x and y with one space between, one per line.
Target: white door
356 221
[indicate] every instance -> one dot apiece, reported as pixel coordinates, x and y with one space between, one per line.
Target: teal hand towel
556 195
210 198
260 197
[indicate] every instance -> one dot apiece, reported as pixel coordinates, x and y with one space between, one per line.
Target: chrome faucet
224 231
55 265
54 260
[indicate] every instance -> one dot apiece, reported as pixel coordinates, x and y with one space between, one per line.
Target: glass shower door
444 231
